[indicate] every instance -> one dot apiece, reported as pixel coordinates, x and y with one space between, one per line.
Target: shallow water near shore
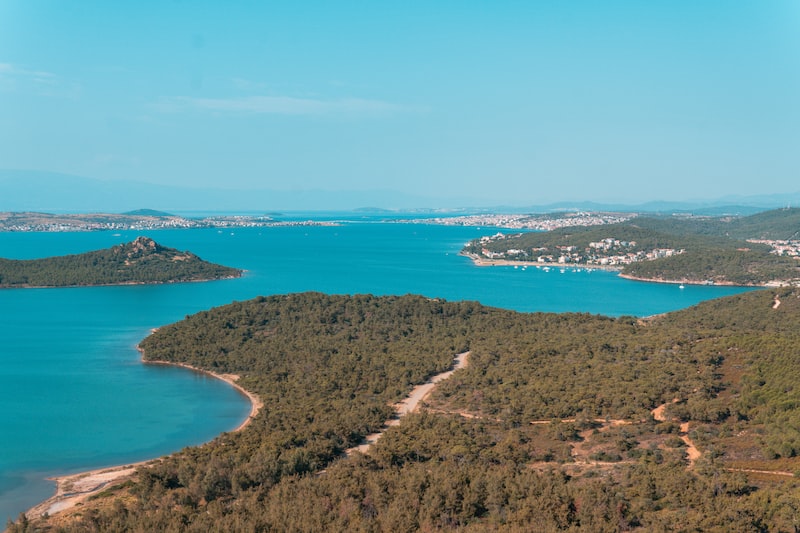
73 392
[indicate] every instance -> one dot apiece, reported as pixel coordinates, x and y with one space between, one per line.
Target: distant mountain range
65 193
23 190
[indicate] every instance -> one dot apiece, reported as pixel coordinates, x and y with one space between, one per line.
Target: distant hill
63 193
783 224
780 224
147 213
27 190
140 261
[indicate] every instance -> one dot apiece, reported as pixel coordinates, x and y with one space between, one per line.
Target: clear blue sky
515 102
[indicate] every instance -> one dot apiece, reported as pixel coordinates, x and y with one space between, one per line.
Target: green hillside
552 426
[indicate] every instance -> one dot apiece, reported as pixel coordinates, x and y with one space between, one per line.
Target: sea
74 395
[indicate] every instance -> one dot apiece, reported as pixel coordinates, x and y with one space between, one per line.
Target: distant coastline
122 283
29 221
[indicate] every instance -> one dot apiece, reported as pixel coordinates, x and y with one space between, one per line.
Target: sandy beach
73 489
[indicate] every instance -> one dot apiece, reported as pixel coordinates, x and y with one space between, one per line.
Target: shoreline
125 283
231 379
72 489
699 283
482 262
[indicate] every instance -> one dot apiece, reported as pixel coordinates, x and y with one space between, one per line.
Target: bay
73 392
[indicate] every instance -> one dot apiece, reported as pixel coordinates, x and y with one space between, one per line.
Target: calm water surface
75 396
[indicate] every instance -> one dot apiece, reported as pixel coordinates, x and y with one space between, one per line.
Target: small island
138 262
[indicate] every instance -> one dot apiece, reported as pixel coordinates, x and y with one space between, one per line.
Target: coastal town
540 222
46 222
608 252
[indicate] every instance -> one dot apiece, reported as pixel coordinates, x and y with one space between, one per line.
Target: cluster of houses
63 223
535 222
607 252
788 248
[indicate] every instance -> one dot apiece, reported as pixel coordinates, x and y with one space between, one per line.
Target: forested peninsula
139 261
759 250
686 421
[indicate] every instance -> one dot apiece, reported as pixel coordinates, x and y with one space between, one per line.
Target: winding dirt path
694 454
691 450
411 403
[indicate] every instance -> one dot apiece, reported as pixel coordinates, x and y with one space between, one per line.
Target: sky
502 102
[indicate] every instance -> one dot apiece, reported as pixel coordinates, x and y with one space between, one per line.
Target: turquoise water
75 396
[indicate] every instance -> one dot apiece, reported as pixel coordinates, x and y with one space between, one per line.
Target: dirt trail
691 450
694 454
411 402
768 472
776 303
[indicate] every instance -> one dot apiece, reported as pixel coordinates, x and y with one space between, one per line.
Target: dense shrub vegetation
139 261
327 367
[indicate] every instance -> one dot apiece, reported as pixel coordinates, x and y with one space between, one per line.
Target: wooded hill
713 250
777 224
140 261
549 428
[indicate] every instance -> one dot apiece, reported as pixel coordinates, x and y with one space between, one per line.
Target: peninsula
759 250
137 262
685 421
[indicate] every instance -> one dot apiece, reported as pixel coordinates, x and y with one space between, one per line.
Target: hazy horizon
63 193
465 103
